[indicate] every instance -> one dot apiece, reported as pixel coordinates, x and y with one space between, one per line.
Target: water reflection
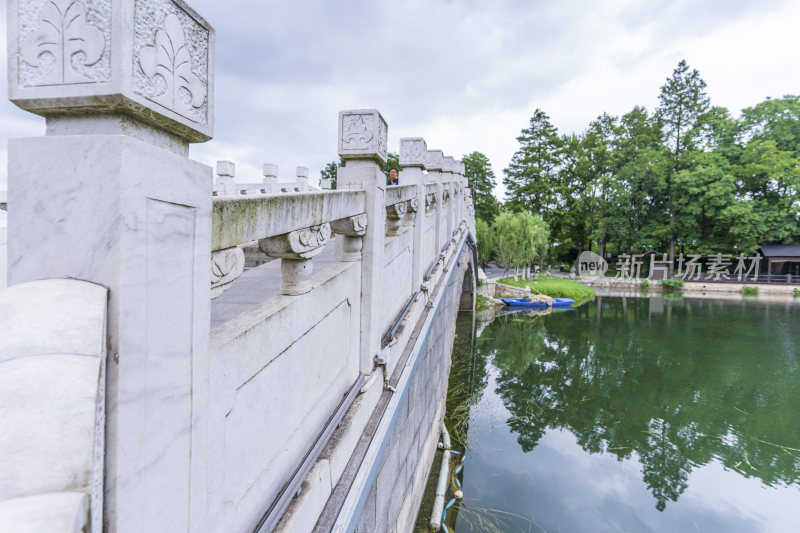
680 388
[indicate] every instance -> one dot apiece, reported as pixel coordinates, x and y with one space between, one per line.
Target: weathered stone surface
52 404
240 220
150 58
362 135
412 152
401 193
62 512
434 160
226 266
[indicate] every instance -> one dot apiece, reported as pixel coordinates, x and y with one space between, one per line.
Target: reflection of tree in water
666 385
467 380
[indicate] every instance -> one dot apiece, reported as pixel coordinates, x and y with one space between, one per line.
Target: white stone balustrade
292 227
208 415
363 144
52 366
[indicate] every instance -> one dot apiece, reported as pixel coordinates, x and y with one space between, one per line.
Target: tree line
689 177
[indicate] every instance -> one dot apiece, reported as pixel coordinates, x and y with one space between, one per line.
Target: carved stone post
449 178
349 233
434 159
362 143
302 178
295 250
459 182
226 171
125 87
271 178
412 161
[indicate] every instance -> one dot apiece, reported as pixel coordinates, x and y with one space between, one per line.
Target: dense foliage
687 178
481 182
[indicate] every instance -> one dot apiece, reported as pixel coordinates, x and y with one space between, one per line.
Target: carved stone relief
396 219
362 133
171 58
64 42
434 159
299 244
412 152
351 226
226 266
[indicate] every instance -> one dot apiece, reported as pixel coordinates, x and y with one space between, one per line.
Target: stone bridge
152 381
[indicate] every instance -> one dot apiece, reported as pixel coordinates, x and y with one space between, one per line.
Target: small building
782 259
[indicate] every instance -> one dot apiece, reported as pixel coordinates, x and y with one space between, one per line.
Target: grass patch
749 289
796 293
481 303
644 284
555 288
673 284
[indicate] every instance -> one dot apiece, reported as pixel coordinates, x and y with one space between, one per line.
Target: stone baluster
271 178
295 250
434 159
226 185
412 163
131 212
362 143
302 179
349 233
449 178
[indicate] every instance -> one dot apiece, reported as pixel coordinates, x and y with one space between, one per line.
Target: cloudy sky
465 75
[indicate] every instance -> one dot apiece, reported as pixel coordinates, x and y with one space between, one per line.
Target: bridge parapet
217 409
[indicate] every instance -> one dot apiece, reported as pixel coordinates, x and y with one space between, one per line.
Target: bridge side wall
394 496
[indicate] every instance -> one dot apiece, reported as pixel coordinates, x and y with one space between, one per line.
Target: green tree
703 194
481 181
637 197
484 240
532 178
392 161
532 240
330 170
770 180
682 100
774 119
505 237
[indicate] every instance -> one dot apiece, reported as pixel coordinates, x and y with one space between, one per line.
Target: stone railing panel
399 193
239 220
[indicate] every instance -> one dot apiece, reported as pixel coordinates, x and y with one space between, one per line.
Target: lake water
630 414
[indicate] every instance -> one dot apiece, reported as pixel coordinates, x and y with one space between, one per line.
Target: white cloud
466 75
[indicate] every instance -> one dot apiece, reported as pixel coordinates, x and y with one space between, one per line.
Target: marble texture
274 387
149 58
136 218
61 512
366 175
239 220
363 135
412 152
52 371
412 174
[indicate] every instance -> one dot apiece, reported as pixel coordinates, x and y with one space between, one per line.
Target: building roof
781 250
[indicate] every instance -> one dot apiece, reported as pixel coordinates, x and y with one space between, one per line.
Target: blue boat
524 302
